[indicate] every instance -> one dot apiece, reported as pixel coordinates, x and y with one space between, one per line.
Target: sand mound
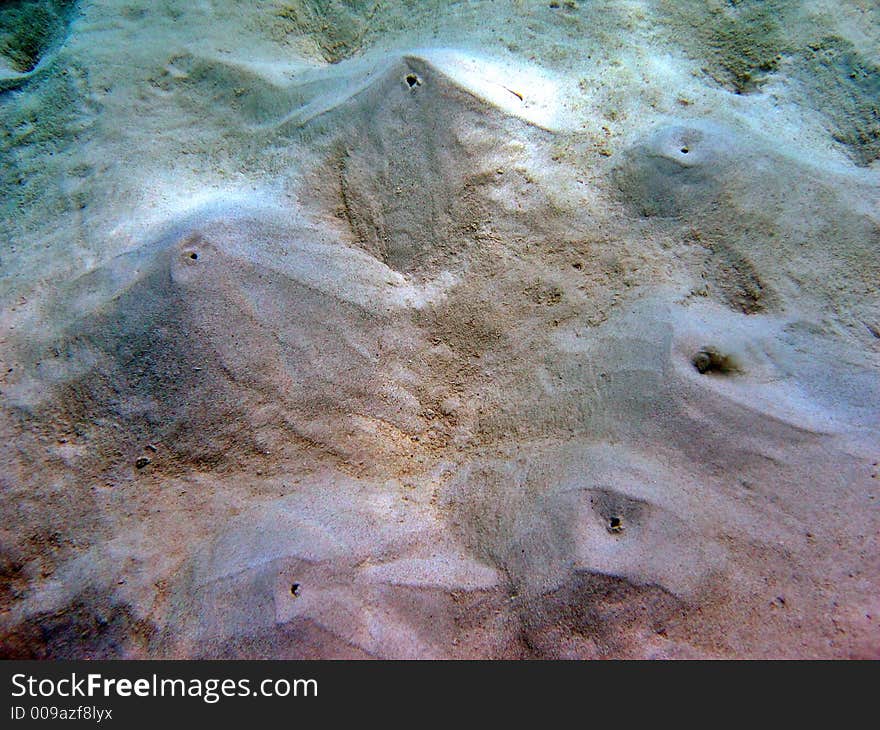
215 323
30 33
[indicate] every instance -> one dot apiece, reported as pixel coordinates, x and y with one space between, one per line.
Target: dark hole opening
684 150
194 256
412 80
709 360
294 589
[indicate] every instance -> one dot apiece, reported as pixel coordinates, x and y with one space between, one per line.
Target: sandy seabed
410 329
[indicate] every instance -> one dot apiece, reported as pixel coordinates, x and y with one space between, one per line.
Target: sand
335 329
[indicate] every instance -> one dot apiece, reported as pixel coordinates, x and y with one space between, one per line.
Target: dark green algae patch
29 29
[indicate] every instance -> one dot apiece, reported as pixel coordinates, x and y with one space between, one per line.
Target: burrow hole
412 81
710 360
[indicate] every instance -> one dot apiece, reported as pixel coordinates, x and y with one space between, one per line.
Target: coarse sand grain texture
418 329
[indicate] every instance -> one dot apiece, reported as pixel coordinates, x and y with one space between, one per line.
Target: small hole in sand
294 589
710 360
412 81
615 524
684 150
194 256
